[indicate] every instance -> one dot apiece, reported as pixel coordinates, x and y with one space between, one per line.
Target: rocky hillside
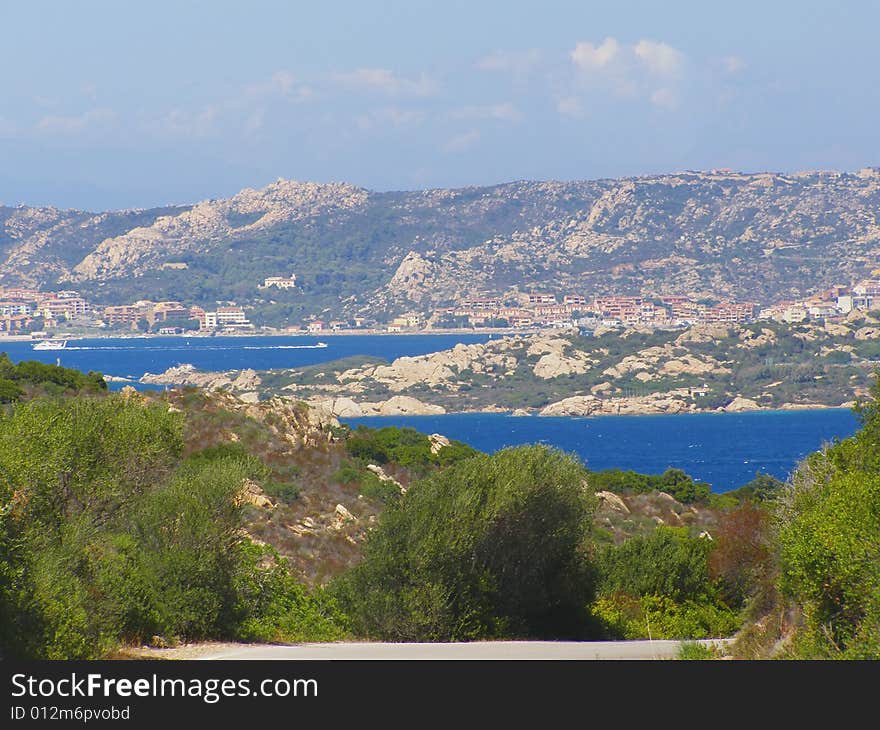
761 237
703 368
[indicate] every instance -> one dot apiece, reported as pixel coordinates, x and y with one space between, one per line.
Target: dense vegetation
107 535
124 519
30 376
492 547
828 527
673 481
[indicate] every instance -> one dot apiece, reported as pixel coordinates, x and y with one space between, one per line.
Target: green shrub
275 607
491 547
9 391
106 536
661 617
284 491
666 562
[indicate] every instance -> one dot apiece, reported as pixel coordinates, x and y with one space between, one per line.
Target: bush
666 562
9 391
660 617
673 481
741 560
106 536
275 607
828 530
404 446
492 547
285 491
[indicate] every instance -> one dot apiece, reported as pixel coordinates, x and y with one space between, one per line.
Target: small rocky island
704 368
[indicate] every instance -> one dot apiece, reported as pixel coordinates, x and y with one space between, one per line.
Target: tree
491 547
828 542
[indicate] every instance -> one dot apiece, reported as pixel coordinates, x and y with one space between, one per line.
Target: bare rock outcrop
398 405
253 494
613 502
867 333
739 404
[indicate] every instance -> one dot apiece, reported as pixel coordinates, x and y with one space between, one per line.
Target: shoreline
319 335
787 408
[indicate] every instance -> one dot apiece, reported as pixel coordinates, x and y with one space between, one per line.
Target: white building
281 282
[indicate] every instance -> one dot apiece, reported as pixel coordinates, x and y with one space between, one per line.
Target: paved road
473 650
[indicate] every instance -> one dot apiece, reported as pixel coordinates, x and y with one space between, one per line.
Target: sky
109 104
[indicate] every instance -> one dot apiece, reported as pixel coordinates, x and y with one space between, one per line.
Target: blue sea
726 449
131 357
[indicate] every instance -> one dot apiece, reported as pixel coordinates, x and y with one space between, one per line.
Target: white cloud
255 122
664 98
74 124
588 57
387 82
733 64
182 123
506 112
517 62
463 141
571 106
631 71
390 116
282 83
660 59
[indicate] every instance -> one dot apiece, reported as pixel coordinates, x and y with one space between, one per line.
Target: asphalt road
473 650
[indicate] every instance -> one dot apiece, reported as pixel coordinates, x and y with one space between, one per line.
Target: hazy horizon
259 186
110 106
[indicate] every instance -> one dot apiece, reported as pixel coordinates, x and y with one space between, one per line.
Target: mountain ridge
758 236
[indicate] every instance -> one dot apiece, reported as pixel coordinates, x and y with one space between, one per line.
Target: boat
321 344
50 345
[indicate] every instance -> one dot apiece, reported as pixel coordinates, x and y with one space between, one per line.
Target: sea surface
724 449
131 357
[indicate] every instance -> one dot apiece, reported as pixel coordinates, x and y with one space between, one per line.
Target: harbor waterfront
723 449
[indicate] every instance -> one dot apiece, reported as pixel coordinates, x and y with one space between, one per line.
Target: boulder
740 404
613 502
867 333
438 441
252 493
404 405
247 380
577 405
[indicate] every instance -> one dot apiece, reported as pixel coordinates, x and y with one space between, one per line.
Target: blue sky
117 104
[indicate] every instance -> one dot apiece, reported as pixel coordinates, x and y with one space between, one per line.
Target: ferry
50 345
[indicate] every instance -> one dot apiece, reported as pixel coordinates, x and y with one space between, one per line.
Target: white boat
321 344
50 345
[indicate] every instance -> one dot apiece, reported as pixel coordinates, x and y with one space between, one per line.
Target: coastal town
26 311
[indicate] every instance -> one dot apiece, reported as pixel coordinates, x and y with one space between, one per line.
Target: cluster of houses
21 307
836 301
577 310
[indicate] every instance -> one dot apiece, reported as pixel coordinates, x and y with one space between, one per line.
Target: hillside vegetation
128 518
761 237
